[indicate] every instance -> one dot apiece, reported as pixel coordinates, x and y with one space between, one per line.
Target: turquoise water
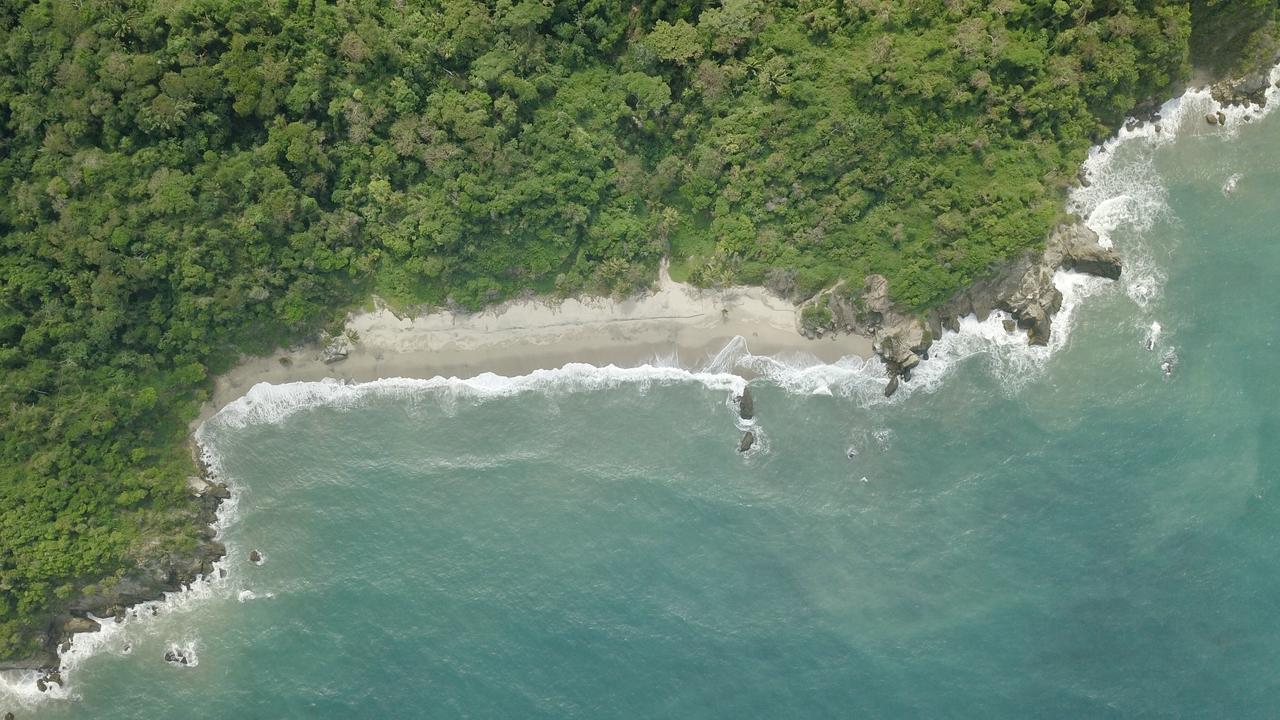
1019 534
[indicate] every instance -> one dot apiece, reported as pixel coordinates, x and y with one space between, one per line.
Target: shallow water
1017 534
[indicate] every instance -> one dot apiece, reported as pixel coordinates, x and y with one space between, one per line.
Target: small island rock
748 439
746 406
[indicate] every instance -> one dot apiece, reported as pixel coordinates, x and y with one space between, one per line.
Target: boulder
892 387
1036 321
336 350
76 625
1211 118
1076 247
746 406
255 557
899 344
748 439
219 491
48 678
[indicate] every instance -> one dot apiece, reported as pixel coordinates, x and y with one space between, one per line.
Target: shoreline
519 336
675 324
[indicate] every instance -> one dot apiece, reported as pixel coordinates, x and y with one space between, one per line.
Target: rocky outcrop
149 580
746 405
1022 287
255 557
1248 90
336 349
1076 247
80 625
47 678
748 439
899 338
178 657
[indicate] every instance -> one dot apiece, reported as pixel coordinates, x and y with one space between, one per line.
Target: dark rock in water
1009 325
222 572
1036 321
80 625
748 439
746 406
177 657
1211 119
892 387
48 678
219 491
1222 118
8 716
255 557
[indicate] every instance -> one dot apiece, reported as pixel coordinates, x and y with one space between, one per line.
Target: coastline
674 324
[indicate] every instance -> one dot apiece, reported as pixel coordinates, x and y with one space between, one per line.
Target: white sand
674 321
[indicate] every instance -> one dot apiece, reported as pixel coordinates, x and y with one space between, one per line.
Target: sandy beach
674 321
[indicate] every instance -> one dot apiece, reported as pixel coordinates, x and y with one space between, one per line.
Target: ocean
1085 530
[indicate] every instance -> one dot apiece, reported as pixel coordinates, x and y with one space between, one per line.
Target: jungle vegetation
186 180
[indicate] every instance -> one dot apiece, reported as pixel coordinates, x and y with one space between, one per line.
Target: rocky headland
149 580
1022 287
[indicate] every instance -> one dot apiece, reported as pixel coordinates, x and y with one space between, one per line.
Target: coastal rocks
45 657
77 625
1076 247
149 580
179 657
1023 287
1211 118
891 387
899 338
207 488
336 349
746 406
748 439
1248 90
47 678
255 557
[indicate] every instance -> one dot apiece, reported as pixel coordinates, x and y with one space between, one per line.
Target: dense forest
191 179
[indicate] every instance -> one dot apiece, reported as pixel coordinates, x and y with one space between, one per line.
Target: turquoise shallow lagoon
1017 534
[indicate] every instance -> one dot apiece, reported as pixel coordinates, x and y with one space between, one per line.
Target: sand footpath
675 322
